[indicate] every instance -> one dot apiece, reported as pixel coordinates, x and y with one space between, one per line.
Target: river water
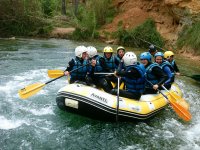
37 123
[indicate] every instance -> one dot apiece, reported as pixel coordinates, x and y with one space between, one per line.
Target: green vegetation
49 7
135 37
189 37
38 17
90 17
22 17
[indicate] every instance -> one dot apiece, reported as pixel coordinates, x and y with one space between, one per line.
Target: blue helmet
159 54
146 55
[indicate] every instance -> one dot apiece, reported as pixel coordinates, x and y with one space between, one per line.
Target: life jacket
118 58
166 63
172 63
98 67
135 85
150 76
110 63
80 73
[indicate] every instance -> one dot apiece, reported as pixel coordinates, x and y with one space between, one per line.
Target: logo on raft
99 97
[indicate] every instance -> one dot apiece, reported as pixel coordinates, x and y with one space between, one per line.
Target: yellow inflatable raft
92 102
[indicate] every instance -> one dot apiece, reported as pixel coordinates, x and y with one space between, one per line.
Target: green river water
37 123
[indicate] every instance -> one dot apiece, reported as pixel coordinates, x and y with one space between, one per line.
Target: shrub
141 36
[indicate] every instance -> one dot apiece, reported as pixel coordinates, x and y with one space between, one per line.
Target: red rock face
169 15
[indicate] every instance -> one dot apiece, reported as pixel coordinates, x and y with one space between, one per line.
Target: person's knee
113 92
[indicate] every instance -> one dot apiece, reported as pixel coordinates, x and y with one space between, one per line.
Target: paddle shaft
151 44
195 76
117 108
159 90
104 73
54 79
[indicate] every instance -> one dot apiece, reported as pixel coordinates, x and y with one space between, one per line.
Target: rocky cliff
170 15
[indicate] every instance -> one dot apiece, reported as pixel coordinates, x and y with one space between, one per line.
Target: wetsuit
99 80
155 75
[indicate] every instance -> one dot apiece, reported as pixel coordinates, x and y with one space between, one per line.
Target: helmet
120 48
108 49
167 54
146 55
158 54
129 58
80 50
152 48
92 51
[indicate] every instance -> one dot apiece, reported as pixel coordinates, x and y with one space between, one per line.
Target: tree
76 2
63 7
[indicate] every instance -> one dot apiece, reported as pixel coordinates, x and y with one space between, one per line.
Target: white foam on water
190 132
32 74
17 82
7 124
41 111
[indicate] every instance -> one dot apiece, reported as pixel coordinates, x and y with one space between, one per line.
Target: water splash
7 124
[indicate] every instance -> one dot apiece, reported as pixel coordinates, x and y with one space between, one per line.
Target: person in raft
133 76
98 65
120 53
79 60
154 74
152 50
169 56
112 63
166 67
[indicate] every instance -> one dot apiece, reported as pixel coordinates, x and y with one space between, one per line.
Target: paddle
32 89
117 108
180 110
195 77
183 109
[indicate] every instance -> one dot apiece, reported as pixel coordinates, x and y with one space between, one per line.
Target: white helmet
129 58
80 50
92 51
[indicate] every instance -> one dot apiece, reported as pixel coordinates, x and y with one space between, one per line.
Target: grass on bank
189 38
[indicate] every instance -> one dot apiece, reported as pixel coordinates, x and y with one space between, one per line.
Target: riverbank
65 33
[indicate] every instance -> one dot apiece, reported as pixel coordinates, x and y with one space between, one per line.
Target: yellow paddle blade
176 98
55 73
122 86
181 112
30 90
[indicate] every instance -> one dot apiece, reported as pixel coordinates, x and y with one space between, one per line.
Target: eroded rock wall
170 15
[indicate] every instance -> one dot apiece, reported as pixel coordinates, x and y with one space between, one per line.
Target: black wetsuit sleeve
70 65
176 67
159 73
133 73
